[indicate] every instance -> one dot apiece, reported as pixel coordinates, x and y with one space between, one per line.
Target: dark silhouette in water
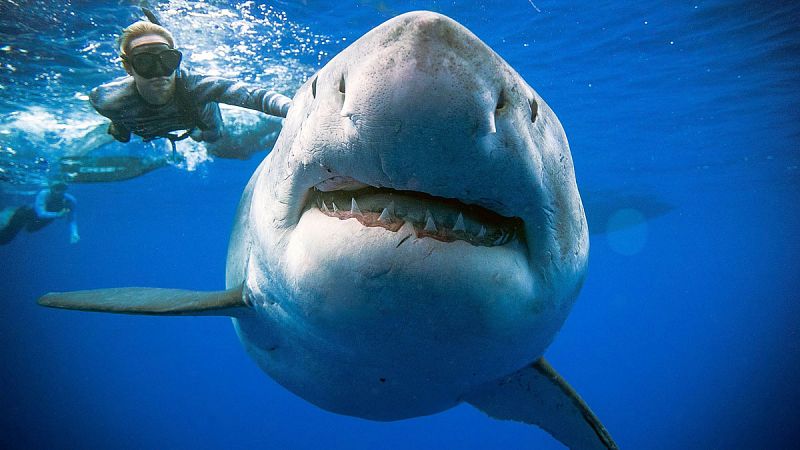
602 205
92 169
50 204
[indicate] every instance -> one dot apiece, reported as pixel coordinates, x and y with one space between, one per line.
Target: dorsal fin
150 301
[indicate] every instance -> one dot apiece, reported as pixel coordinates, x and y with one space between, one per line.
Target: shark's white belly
386 338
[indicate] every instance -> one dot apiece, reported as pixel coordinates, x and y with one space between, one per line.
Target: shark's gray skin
415 239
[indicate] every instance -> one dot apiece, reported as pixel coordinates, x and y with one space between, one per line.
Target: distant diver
159 97
50 204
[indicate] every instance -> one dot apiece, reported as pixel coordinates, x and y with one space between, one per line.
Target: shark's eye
341 84
501 100
314 88
534 110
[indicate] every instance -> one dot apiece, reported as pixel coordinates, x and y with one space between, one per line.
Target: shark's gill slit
439 218
314 88
534 110
341 85
501 100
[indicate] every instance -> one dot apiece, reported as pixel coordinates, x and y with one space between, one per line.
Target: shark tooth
385 216
335 209
459 226
501 239
325 207
482 233
354 207
430 225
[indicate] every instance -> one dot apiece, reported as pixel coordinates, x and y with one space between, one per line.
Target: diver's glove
210 135
285 107
196 135
120 133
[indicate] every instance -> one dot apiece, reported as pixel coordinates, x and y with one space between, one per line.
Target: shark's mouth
439 218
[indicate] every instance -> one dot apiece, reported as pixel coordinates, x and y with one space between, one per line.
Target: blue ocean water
683 123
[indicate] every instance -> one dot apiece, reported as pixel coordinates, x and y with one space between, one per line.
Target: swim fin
147 10
90 169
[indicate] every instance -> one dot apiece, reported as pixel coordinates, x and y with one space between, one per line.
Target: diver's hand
119 133
285 107
74 238
63 212
196 135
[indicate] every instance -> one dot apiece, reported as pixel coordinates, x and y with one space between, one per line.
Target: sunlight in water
41 124
252 42
267 47
192 155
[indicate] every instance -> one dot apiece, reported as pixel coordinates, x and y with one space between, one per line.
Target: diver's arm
40 206
237 93
101 104
73 218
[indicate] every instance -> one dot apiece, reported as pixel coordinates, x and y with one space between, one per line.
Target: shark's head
416 231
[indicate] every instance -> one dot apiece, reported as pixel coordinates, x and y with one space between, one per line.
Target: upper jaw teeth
442 219
430 225
386 215
354 207
459 225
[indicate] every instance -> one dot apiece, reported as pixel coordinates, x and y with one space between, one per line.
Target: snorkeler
50 204
159 97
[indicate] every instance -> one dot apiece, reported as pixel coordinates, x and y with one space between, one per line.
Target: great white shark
414 240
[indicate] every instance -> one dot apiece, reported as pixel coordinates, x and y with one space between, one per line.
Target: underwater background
682 119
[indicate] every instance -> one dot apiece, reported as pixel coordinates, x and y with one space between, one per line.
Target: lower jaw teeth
387 219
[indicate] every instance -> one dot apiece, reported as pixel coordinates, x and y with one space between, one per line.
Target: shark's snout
427 108
429 33
421 112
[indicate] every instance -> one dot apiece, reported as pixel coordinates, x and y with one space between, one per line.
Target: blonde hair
140 29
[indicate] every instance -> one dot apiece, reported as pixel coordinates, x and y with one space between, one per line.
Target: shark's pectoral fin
538 395
150 301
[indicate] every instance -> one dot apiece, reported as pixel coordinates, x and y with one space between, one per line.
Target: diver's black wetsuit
46 209
195 104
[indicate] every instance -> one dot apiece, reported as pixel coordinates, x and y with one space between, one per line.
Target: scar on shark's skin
403 240
344 315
